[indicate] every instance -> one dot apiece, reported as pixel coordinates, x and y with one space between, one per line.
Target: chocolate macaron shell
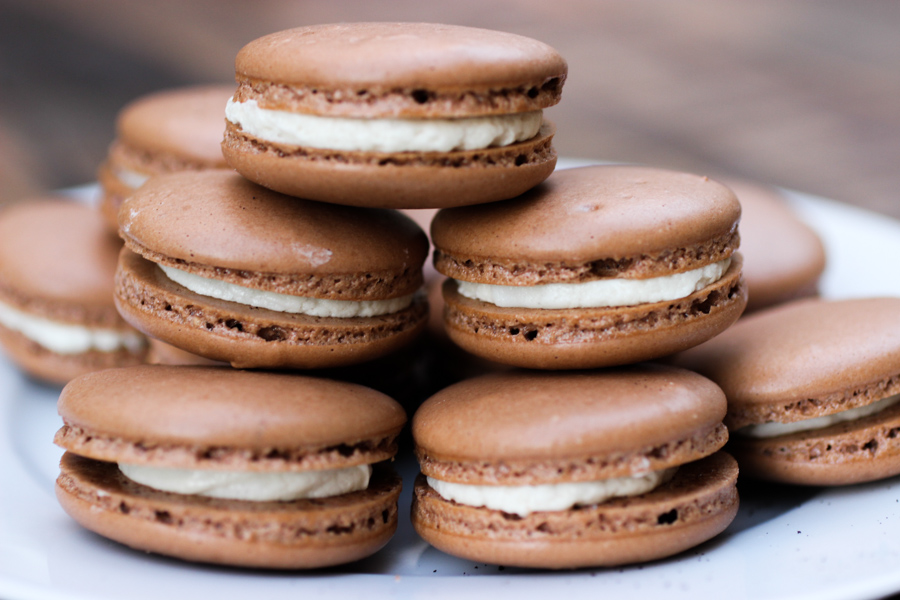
57 259
185 124
585 338
218 220
696 505
804 359
783 256
385 69
185 416
568 427
618 218
300 534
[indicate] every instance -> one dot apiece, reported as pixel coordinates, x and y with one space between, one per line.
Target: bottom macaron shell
585 338
279 535
250 337
696 505
394 180
867 449
58 368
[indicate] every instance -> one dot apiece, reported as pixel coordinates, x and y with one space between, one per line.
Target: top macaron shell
411 71
222 220
210 407
581 215
803 359
185 124
377 60
521 417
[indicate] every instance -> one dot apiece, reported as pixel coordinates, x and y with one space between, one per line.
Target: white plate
786 542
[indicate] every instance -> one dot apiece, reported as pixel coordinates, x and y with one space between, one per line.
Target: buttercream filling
382 135
598 293
773 429
131 178
66 338
251 485
523 500
316 307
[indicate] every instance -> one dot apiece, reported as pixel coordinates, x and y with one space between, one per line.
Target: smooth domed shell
221 407
390 55
806 349
528 415
58 250
584 214
188 123
783 256
220 219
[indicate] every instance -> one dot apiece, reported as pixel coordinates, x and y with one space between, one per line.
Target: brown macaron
164 132
783 256
813 390
266 280
57 316
568 470
239 468
597 266
395 115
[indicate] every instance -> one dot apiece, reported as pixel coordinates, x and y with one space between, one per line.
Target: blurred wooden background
803 94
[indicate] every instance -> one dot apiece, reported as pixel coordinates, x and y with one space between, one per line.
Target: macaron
813 390
228 270
163 132
232 467
395 115
598 266
783 257
57 316
569 470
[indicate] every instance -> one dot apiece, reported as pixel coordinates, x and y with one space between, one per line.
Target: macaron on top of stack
397 115
783 256
566 470
231 271
164 132
57 316
234 467
597 266
813 390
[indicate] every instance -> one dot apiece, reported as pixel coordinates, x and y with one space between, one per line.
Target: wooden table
797 93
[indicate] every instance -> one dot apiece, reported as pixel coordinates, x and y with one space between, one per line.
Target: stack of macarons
280 250
298 262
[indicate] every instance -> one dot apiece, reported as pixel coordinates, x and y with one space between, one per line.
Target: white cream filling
382 135
132 179
316 307
523 500
252 485
767 430
599 293
65 338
